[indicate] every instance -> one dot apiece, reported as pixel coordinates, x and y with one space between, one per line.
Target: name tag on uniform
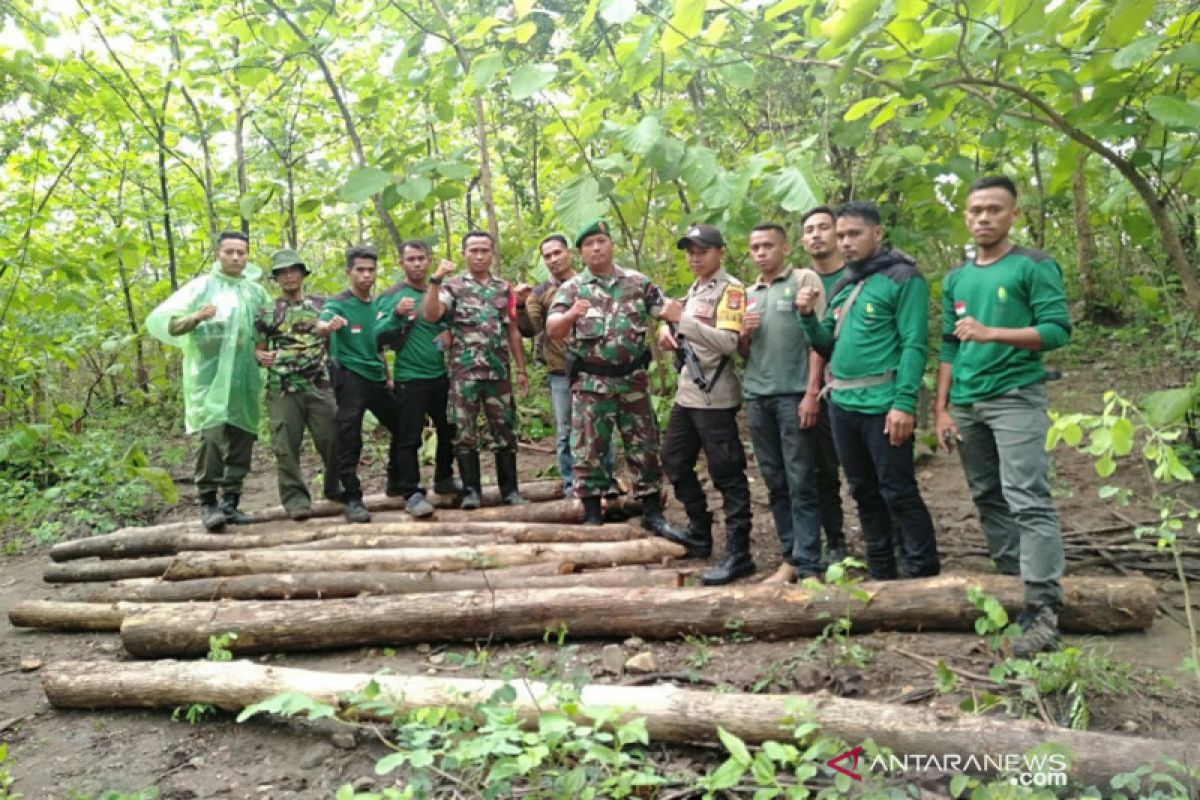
783 305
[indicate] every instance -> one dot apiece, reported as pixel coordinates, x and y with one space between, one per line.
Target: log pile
503 573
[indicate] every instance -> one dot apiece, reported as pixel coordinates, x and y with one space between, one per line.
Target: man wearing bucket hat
604 314
299 395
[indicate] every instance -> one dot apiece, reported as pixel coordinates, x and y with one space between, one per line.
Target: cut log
671 714
762 610
114 570
467 534
138 543
108 615
317 585
117 542
186 566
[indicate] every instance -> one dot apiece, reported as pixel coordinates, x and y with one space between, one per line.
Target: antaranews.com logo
1043 770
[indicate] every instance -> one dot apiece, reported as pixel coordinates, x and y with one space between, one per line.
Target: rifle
686 359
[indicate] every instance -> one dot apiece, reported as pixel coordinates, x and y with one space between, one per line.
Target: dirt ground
76 754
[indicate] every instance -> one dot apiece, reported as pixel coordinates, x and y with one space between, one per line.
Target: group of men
832 362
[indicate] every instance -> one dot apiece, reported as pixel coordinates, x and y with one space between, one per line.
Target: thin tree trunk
671 714
1085 239
389 224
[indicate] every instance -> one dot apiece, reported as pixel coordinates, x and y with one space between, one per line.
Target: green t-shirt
886 331
418 357
354 346
777 362
828 280
1023 289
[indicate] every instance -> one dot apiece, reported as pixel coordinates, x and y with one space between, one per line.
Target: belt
858 383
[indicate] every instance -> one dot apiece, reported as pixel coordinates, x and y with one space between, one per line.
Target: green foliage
6 778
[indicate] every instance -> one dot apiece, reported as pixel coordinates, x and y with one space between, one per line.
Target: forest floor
78 754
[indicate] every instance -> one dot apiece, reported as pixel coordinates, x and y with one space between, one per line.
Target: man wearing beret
707 396
299 395
604 314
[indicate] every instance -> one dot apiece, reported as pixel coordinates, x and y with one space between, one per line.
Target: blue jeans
560 402
1004 457
884 485
786 458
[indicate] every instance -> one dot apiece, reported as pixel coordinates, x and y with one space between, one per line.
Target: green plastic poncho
222 383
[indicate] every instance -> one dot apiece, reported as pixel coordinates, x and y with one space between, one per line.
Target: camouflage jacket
478 315
613 331
287 328
531 319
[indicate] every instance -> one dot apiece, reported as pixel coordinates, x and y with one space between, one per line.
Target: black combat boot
210 513
229 507
593 511
506 477
468 467
450 485
653 520
736 563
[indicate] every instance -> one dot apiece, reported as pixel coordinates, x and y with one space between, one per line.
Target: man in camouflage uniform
604 314
481 312
298 392
707 396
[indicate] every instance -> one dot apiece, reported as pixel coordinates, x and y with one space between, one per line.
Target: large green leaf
415 189
529 79
641 137
1168 406
579 202
484 70
1136 51
699 167
363 183
848 19
793 191
1174 112
686 23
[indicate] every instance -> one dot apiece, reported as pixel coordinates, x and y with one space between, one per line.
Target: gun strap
845 312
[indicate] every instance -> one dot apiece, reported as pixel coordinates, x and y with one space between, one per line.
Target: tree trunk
59 616
186 566
672 714
118 569
156 542
115 542
469 534
324 585
1085 239
760 610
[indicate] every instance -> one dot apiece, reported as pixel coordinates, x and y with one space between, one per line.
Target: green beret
595 226
282 259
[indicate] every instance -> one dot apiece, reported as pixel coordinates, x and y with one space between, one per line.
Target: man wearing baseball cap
707 396
299 395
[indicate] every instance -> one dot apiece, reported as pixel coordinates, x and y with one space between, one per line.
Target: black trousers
355 396
715 431
418 399
829 483
884 485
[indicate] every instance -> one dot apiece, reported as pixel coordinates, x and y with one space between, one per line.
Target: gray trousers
223 459
290 413
1004 456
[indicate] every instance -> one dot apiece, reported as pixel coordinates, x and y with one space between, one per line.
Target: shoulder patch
730 309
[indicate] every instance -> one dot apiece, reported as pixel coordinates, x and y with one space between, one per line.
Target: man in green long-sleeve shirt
1000 311
875 333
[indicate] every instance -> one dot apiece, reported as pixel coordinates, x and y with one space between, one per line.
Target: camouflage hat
282 259
595 226
701 236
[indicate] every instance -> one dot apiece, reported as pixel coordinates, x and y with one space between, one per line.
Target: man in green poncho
211 318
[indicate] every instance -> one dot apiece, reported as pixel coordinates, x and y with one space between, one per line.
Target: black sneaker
448 486
355 511
417 506
1039 632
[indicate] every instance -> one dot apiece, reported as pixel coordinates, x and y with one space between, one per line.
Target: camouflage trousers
492 400
595 418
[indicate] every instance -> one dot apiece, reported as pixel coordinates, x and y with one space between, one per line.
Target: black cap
701 236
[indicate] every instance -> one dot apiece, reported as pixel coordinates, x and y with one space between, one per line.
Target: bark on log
115 570
56 616
672 714
155 542
468 534
186 566
115 543
318 585
1095 605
